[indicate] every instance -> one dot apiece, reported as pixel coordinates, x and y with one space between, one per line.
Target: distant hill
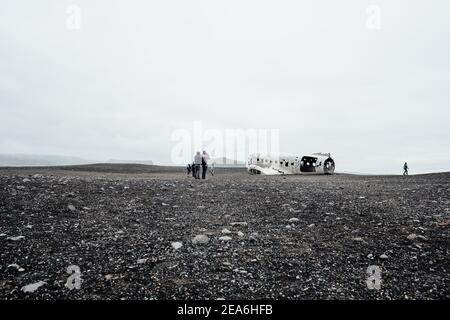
32 160
21 160
226 162
146 162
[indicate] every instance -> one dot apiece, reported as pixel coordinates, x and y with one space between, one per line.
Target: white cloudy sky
138 70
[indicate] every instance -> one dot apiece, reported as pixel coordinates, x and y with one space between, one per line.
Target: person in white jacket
197 164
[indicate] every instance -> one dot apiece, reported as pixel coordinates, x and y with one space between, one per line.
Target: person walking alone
405 169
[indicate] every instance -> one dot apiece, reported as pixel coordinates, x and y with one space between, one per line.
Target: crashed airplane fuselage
270 164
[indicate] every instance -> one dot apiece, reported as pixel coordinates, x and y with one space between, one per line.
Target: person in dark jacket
405 169
188 169
205 159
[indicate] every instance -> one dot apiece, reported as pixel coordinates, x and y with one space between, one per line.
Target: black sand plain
286 237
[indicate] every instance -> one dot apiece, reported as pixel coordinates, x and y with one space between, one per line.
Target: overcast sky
136 71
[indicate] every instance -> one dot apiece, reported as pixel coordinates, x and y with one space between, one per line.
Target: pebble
16 238
33 287
225 238
412 236
200 239
176 245
238 223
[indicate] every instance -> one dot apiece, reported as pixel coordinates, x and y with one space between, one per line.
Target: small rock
176 245
383 257
141 261
370 256
26 180
225 238
200 239
108 277
240 234
294 220
238 223
71 207
32 287
412 236
16 238
226 231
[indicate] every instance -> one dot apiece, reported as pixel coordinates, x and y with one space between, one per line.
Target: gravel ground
269 237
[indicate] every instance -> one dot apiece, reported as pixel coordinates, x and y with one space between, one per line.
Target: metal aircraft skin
273 164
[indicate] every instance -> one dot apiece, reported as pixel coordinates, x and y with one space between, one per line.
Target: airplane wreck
270 164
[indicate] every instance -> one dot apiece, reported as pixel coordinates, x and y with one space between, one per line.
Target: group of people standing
200 160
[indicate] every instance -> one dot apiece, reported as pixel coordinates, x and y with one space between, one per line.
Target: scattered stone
412 236
238 223
200 239
33 287
141 261
240 234
71 207
226 231
294 220
176 245
225 238
16 238
383 257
